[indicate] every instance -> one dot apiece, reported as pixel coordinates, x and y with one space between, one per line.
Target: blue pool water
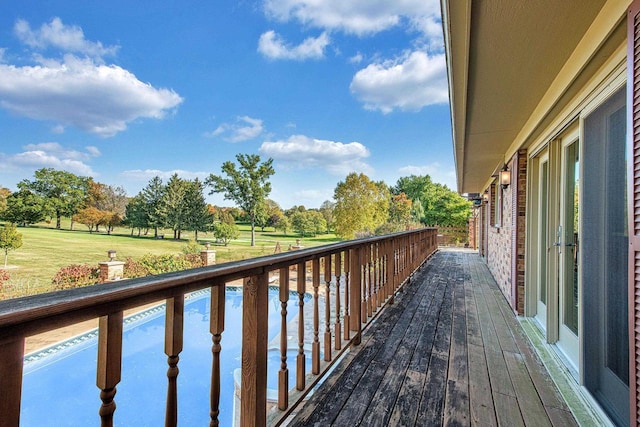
59 388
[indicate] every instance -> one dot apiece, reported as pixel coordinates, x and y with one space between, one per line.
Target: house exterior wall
499 241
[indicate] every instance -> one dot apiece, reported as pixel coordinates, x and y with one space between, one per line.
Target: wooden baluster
301 359
375 299
216 327
11 365
173 338
327 308
389 271
109 364
283 374
379 255
355 323
255 312
338 325
347 320
367 312
383 265
315 346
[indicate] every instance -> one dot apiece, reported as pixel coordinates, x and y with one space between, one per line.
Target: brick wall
506 242
499 241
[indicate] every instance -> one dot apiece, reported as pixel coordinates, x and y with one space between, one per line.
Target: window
496 201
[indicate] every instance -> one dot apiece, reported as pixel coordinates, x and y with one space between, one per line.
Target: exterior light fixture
505 177
112 254
485 196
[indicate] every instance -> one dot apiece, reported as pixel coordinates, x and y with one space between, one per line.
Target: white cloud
244 129
356 59
94 151
99 99
50 155
407 83
148 174
273 46
360 17
57 35
79 89
435 171
303 152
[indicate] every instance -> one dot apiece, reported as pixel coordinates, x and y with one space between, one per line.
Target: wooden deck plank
412 344
531 407
456 411
482 408
448 352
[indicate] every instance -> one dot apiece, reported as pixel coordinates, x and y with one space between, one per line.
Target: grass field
45 250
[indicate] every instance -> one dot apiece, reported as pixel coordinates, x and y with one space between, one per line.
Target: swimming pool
59 383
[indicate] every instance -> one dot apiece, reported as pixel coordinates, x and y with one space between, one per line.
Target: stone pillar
111 271
208 257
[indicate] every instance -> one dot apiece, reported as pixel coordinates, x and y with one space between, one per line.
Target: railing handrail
371 269
89 302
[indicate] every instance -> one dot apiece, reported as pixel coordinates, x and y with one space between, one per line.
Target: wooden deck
448 352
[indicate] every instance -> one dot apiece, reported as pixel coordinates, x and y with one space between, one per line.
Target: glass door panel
543 240
568 245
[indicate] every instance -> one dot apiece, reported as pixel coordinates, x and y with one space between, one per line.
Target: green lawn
45 250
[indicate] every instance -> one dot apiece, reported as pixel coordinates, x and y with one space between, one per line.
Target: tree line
360 206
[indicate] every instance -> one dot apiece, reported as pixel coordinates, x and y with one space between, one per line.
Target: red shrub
75 276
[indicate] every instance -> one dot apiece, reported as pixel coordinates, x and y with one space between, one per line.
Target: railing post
327 308
11 364
109 364
216 327
315 346
283 374
301 359
173 339
355 290
253 395
337 326
347 281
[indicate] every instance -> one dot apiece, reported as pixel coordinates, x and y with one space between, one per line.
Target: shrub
192 247
194 260
75 276
133 269
4 277
158 264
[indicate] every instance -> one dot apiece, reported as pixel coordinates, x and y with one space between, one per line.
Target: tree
10 240
326 209
362 205
136 215
440 205
283 224
248 185
400 209
196 212
153 195
4 193
173 205
112 202
225 232
24 208
268 214
302 223
65 193
91 217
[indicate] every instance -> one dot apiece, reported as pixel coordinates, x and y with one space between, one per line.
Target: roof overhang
502 60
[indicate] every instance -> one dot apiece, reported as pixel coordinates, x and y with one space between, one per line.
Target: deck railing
363 274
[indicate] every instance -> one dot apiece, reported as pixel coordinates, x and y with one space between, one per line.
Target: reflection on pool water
59 383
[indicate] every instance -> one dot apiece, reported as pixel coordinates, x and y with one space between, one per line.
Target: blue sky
126 90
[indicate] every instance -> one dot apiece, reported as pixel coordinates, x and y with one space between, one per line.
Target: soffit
515 50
